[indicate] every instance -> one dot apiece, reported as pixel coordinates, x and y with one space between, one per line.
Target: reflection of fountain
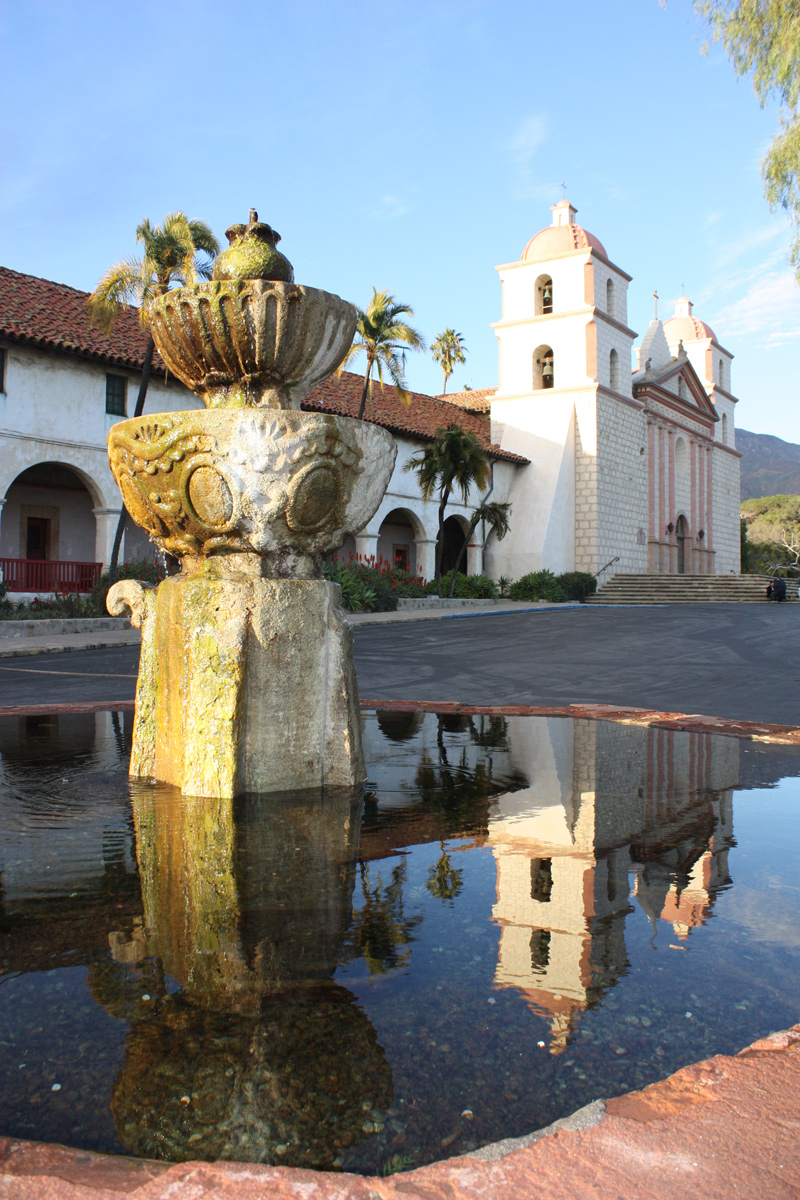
246 679
260 1056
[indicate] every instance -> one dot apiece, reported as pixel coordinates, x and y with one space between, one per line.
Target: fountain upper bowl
251 343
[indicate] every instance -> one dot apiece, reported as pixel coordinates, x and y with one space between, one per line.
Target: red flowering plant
371 584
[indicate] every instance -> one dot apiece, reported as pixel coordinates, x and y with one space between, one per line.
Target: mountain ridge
769 465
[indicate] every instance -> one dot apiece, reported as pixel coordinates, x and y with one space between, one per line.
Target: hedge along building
639 469
63 384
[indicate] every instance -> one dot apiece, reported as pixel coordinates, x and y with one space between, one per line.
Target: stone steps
687 589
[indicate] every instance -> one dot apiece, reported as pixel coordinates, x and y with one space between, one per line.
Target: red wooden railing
48 575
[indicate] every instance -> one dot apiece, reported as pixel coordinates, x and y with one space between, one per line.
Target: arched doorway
681 536
454 540
48 531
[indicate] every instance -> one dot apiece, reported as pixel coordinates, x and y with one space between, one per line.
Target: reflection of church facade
601 466
604 801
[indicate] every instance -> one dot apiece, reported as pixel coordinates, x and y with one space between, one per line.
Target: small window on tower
613 370
116 395
2 371
724 430
721 373
610 304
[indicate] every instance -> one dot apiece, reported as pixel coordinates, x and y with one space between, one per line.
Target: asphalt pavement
724 660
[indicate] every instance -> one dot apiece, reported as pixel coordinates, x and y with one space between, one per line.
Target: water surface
520 916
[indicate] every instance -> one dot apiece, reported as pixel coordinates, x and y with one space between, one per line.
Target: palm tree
495 514
170 258
444 880
454 460
447 350
382 335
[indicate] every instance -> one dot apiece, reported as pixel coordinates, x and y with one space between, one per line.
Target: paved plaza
724 660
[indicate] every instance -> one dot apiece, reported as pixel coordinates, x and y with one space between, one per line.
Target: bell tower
565 399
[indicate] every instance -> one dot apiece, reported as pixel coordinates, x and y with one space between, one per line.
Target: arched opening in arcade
453 542
48 531
397 539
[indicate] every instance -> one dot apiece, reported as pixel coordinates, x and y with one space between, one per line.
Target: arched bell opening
543 293
543 368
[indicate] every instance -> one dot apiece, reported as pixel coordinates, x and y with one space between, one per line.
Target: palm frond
121 284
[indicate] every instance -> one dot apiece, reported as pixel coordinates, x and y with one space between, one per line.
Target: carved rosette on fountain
246 678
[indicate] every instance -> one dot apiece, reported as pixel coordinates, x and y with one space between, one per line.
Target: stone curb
779 735
718 1129
61 625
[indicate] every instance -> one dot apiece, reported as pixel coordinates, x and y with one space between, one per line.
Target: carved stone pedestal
245 685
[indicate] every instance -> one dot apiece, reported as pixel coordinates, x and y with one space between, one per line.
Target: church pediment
675 384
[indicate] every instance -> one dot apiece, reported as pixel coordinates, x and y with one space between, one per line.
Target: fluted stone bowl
251 342
274 482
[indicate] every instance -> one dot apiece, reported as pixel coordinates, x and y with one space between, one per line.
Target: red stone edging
782 735
785 735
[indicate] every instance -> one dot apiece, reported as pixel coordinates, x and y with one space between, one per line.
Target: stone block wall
621 486
725 471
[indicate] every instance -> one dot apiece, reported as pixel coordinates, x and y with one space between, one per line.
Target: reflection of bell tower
561 906
604 800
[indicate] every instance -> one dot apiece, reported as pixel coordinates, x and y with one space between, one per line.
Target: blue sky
407 147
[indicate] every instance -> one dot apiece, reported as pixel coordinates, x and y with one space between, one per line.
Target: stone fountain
246 677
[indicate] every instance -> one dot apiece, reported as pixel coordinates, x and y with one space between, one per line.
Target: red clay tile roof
426 414
475 400
52 316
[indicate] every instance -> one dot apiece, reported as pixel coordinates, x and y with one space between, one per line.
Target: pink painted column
662 498
673 565
701 500
710 494
694 509
651 459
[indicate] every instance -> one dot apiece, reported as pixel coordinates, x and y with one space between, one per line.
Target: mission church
607 470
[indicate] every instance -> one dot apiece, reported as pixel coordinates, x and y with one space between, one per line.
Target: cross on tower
655 297
563 187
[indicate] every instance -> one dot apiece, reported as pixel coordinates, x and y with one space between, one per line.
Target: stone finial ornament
252 254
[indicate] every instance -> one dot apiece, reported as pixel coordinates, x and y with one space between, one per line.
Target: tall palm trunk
365 391
443 498
137 412
472 527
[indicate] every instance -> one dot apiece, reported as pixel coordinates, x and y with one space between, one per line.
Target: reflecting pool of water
519 916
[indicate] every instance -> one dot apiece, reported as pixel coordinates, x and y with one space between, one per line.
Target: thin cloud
771 305
388 207
521 149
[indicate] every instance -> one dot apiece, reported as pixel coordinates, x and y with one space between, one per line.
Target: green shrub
539 585
468 587
577 585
